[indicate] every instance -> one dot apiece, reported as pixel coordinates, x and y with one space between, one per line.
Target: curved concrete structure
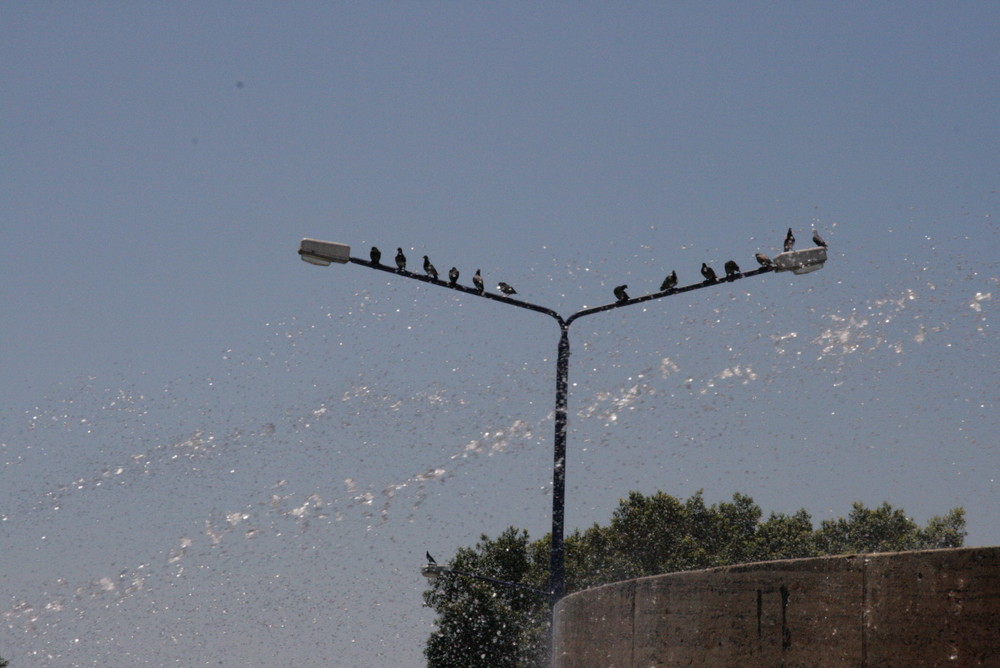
911 609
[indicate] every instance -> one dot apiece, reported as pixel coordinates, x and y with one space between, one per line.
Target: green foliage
481 624
885 529
485 624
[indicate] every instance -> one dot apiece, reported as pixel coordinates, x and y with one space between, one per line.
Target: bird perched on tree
763 260
620 293
429 269
732 270
477 281
453 276
400 259
376 255
506 289
818 240
430 559
789 240
708 273
670 282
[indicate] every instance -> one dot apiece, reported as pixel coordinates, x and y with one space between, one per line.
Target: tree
885 529
484 624
481 624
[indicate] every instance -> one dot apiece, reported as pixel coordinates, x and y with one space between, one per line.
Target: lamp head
322 253
800 261
432 572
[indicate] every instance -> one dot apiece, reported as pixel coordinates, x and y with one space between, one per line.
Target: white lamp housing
323 253
800 261
432 571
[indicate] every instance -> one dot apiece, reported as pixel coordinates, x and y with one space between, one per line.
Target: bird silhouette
506 289
430 559
453 276
818 240
789 240
620 293
708 273
670 282
763 260
429 269
400 259
376 255
477 281
732 270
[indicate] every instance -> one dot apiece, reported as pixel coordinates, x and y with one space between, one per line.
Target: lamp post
323 253
432 572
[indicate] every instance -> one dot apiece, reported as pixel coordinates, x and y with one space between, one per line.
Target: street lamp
322 253
433 571
798 262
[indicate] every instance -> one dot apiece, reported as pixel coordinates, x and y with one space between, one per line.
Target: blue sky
214 453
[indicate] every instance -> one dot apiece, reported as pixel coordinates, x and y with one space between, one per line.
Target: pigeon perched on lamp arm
789 240
708 273
732 270
453 276
506 289
375 255
818 240
429 269
400 259
670 282
620 293
477 281
430 559
763 260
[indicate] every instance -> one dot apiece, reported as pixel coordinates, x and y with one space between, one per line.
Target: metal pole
557 572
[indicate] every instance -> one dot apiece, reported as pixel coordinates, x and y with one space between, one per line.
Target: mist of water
278 511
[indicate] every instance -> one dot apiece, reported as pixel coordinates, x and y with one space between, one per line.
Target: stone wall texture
908 609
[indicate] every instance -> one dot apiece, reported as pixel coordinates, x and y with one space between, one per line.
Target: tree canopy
481 624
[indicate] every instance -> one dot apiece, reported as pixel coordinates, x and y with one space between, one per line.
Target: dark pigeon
670 282
430 559
506 289
708 273
376 255
429 269
453 276
789 240
620 293
818 240
732 270
477 281
400 259
763 260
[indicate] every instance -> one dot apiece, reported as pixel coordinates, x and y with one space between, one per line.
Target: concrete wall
911 609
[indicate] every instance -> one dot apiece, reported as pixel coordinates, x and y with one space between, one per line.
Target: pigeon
400 259
708 273
620 293
818 240
789 240
429 269
477 281
763 260
430 559
376 255
506 289
670 282
732 270
453 276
